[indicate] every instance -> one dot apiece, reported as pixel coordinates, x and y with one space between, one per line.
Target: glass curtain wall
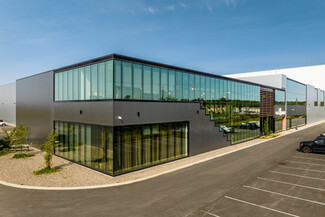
236 108
296 104
137 147
296 93
92 82
131 147
89 145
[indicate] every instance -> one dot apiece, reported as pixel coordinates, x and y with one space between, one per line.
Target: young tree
17 136
266 126
49 148
21 134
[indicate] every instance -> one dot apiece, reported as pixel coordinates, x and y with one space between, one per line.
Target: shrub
4 151
46 170
17 136
3 144
17 156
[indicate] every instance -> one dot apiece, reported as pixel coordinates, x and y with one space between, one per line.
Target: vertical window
146 153
88 144
126 147
197 87
217 96
203 93
81 91
87 83
163 141
171 85
164 84
95 158
171 141
191 85
117 79
76 150
82 144
70 84
213 87
208 88
137 146
179 86
127 80
155 143
60 86
101 80
56 86
137 81
75 94
147 84
315 97
94 81
70 141
109 79
117 149
65 85
185 87
155 83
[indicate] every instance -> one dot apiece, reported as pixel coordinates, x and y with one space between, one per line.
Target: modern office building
305 102
118 114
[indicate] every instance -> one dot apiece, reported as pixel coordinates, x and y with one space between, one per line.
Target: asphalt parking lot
294 187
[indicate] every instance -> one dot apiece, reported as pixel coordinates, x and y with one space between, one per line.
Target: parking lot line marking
284 195
319 171
288 183
209 213
305 163
260 206
290 174
308 158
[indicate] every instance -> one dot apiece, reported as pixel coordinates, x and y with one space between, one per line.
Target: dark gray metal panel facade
34 100
92 112
203 134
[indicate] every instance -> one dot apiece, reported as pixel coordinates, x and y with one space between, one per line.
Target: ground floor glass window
121 149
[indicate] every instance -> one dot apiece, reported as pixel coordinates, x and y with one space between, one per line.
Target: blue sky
214 36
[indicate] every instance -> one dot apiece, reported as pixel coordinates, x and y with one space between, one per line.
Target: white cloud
183 5
230 2
209 7
171 7
152 10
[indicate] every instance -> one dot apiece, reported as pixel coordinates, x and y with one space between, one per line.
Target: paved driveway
250 182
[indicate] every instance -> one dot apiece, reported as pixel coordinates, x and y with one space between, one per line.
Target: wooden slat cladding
267 102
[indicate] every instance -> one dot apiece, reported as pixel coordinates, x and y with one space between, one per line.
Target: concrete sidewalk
74 176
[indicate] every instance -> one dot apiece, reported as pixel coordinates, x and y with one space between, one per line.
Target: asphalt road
214 188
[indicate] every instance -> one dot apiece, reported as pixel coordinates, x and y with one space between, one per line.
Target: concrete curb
152 176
